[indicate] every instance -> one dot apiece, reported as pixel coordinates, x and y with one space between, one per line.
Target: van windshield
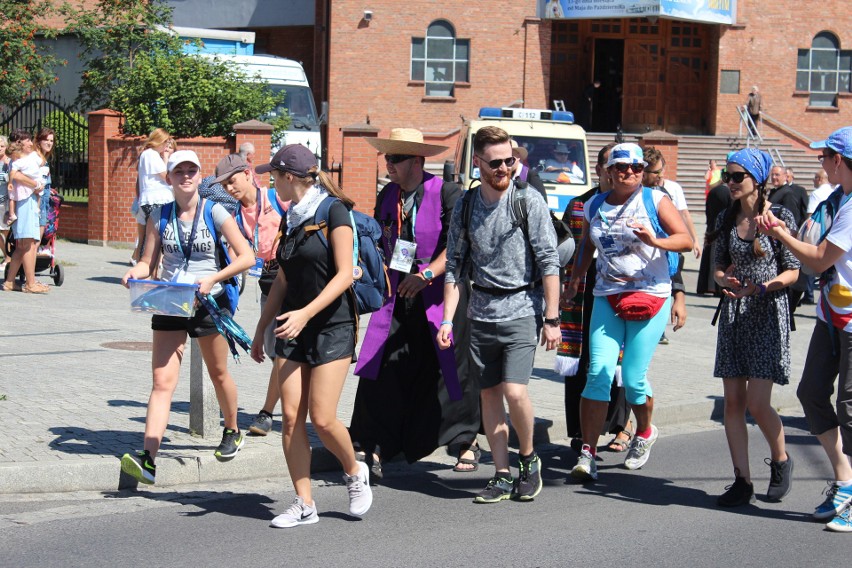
558 161
299 102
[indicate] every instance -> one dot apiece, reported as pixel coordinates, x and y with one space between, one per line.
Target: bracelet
762 289
447 322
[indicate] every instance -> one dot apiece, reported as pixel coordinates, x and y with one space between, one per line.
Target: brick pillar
260 134
360 169
536 64
668 145
103 125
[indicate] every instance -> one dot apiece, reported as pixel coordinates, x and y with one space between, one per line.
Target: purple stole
428 230
525 171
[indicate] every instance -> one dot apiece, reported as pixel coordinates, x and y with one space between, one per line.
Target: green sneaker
529 479
139 466
498 489
232 441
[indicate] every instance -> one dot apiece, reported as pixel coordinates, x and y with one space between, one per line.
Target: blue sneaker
836 499
842 522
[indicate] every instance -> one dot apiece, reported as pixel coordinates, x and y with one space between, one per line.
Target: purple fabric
428 231
525 171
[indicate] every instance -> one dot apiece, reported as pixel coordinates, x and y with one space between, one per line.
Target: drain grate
129 345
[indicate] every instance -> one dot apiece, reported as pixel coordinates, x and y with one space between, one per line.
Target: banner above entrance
709 11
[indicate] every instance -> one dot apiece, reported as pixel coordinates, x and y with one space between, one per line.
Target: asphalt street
662 515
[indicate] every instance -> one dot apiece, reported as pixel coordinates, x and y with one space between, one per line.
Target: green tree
25 67
189 95
73 127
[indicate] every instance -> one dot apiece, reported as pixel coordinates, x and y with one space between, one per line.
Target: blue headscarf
756 162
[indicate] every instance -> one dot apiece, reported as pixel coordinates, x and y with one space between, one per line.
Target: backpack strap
595 206
272 196
651 209
165 215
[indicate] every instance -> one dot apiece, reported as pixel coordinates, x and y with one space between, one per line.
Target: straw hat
407 141
520 152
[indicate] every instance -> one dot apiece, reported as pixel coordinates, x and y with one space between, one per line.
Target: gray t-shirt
202 261
501 257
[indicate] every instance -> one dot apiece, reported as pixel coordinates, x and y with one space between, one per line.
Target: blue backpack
648 201
371 286
230 286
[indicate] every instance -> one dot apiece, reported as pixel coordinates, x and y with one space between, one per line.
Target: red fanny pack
635 306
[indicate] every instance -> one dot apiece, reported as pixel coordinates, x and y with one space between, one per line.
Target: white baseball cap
182 156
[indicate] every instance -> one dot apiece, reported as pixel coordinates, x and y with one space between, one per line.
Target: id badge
183 277
403 256
608 245
257 268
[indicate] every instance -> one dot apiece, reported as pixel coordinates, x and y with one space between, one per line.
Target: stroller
46 255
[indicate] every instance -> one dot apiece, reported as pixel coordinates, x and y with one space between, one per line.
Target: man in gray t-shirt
514 273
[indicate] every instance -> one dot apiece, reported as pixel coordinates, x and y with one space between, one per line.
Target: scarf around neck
306 207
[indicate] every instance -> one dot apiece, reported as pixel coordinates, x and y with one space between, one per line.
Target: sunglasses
397 158
822 157
494 164
635 168
736 177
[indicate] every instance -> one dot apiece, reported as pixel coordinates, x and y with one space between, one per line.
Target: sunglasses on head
736 177
397 158
494 164
635 168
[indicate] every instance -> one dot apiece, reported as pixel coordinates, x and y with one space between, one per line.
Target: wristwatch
551 321
427 275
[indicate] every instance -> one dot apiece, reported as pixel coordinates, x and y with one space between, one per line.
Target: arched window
824 70
439 59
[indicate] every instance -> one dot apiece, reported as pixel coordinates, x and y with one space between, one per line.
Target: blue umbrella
226 325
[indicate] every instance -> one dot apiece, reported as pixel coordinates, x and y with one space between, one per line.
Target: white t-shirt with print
840 289
152 189
625 263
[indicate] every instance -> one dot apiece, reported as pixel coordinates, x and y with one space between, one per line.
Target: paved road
662 515
74 397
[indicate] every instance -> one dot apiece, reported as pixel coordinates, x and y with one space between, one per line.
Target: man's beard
498 184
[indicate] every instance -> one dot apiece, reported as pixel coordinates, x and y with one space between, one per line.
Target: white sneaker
360 494
586 468
296 514
640 450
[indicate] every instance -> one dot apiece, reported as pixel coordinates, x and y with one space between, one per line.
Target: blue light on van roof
526 114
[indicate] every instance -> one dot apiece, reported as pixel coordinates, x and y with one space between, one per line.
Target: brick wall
764 46
369 67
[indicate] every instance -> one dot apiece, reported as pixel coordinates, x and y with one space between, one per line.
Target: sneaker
780 478
737 494
586 468
836 499
640 450
37 288
296 514
664 340
139 466
360 494
232 441
529 482
498 489
262 424
842 522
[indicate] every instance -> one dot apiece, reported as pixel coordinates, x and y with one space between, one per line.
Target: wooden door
643 85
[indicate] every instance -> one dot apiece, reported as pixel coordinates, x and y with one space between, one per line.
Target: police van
554 146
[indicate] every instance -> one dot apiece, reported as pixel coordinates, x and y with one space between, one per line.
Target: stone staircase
694 152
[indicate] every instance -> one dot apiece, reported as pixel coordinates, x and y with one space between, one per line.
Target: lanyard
187 251
606 224
255 245
399 216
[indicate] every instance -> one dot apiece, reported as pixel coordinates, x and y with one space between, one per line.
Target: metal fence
69 163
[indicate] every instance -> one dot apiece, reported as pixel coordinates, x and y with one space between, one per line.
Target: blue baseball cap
627 153
840 141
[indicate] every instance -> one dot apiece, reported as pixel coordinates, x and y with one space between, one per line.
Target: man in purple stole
413 397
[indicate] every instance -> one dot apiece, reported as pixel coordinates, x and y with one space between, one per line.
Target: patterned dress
754 331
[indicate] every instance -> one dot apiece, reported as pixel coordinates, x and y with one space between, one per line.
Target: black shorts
319 346
199 325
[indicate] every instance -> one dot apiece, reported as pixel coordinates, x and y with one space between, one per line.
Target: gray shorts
268 333
504 350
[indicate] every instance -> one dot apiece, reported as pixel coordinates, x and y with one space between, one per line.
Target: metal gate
69 164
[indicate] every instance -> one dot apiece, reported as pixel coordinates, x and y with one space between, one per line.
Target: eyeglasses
822 157
494 164
397 158
737 177
635 168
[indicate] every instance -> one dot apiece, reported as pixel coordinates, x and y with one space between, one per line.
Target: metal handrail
754 135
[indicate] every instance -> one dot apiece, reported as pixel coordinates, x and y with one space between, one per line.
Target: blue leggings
607 334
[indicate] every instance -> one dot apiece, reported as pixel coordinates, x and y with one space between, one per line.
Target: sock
591 450
504 475
266 413
644 433
847 483
524 458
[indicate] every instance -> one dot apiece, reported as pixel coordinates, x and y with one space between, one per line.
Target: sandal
477 453
619 443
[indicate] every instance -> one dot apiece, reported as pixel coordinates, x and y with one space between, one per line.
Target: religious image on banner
710 11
